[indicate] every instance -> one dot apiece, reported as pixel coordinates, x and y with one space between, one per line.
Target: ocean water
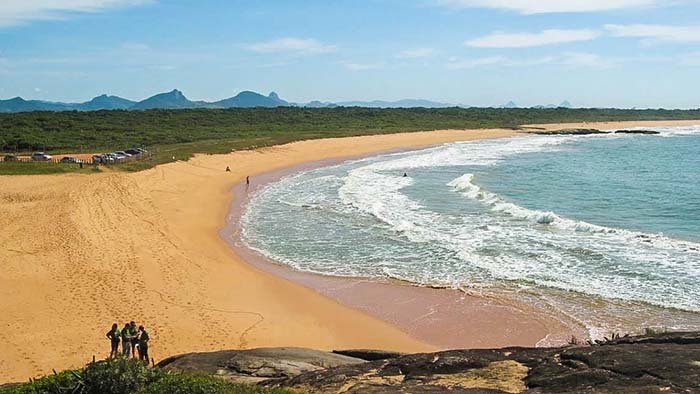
603 229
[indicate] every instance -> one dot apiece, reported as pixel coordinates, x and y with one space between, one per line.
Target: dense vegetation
179 133
127 376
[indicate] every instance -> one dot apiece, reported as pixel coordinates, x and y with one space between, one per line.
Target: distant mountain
250 99
406 103
509 104
170 100
175 99
318 104
105 102
564 104
19 104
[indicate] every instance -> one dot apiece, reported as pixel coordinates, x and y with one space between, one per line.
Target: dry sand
82 251
78 252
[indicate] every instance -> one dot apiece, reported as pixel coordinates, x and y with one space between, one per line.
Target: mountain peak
248 99
173 99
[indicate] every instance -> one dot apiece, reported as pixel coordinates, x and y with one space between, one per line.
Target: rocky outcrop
668 363
568 132
636 132
589 132
369 354
255 365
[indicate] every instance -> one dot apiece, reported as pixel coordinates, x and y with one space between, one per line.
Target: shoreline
442 317
145 246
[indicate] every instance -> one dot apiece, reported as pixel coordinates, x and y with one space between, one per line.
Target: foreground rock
666 363
255 365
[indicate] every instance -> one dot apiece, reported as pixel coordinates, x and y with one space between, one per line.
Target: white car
41 156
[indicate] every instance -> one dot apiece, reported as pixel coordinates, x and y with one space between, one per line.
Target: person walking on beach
114 334
228 169
134 334
143 344
247 181
126 340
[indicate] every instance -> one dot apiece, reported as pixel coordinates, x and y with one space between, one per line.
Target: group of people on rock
132 340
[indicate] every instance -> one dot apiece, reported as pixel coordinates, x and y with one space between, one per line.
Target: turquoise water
560 218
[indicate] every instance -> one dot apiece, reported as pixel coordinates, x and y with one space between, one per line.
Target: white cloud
549 6
17 12
569 59
586 60
415 53
656 33
523 40
292 45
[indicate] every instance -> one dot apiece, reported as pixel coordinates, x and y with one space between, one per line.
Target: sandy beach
80 252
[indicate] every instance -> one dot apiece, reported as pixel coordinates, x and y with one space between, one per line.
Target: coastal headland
81 251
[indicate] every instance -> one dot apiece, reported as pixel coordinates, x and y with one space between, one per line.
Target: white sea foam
506 242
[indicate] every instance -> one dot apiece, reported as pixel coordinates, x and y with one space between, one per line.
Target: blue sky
623 53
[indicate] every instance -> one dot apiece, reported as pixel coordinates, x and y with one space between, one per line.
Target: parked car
122 153
71 159
103 159
116 156
10 158
133 151
109 157
41 156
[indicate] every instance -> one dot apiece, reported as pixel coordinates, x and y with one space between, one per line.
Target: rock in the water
568 132
257 364
636 132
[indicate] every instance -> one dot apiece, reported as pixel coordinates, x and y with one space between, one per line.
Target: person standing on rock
143 344
114 335
126 340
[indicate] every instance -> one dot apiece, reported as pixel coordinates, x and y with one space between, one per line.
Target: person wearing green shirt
126 340
143 344
134 335
114 334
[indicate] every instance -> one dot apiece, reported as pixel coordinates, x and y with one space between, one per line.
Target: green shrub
117 376
175 383
127 376
62 382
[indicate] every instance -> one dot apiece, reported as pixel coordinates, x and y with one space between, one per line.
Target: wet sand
444 318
